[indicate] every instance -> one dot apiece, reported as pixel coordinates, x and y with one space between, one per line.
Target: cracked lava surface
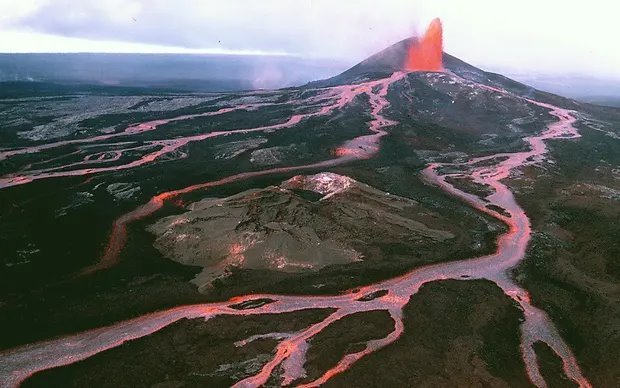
390 295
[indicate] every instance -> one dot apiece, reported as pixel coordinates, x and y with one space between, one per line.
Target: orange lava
391 295
426 53
343 151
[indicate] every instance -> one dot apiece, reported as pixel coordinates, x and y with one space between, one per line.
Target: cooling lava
410 163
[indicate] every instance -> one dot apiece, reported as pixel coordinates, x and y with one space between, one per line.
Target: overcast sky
549 36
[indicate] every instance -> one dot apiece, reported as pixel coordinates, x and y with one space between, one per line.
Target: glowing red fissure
392 294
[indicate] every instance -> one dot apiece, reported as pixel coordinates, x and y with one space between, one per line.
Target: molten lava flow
359 148
426 53
392 295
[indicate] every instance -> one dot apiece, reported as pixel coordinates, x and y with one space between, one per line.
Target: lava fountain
390 295
426 53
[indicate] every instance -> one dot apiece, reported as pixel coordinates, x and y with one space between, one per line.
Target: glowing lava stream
344 95
167 146
361 147
131 130
390 295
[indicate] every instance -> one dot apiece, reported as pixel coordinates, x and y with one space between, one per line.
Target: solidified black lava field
311 235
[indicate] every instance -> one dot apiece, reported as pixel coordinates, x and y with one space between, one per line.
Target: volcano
323 234
425 54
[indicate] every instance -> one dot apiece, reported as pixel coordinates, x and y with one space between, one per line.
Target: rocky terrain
303 224
331 232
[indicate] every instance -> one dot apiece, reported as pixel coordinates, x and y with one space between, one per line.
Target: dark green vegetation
434 351
446 118
53 228
551 367
456 334
573 269
188 353
459 333
469 186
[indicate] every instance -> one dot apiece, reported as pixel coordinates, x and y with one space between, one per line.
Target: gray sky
547 36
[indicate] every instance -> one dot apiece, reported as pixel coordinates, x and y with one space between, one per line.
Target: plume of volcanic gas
425 53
